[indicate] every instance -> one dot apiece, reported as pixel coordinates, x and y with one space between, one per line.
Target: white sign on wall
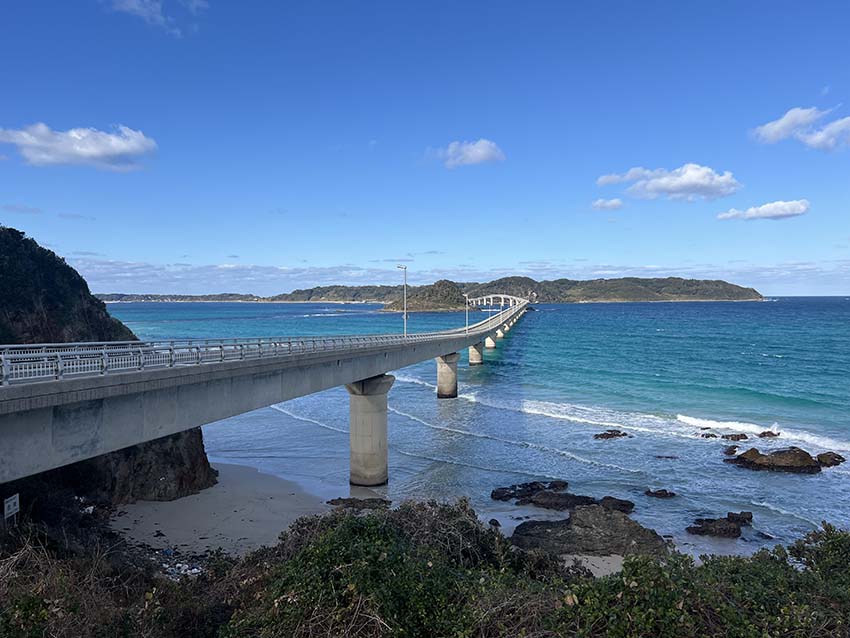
11 506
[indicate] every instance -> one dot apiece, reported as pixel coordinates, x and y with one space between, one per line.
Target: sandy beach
245 510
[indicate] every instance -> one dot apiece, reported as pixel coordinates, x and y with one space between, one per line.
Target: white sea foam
638 422
524 444
784 512
405 379
786 434
308 419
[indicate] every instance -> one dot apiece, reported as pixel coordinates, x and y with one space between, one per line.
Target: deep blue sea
660 371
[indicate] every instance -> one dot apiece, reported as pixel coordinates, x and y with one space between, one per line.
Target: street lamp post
466 296
404 268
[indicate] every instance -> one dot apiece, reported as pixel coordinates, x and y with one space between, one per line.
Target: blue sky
200 146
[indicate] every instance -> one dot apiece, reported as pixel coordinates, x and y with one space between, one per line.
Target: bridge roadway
62 403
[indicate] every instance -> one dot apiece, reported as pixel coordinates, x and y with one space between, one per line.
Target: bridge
62 403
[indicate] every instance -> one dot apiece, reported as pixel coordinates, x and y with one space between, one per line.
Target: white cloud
608 204
828 138
689 182
195 6
466 153
801 124
795 120
148 10
773 210
41 146
22 209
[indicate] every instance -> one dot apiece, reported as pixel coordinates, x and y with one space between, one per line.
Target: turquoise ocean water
660 371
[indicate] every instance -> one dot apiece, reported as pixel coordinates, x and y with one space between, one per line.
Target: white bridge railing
20 364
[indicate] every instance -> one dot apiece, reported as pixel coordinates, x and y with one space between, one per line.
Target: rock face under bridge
43 300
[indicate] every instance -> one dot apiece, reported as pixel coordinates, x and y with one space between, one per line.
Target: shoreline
247 509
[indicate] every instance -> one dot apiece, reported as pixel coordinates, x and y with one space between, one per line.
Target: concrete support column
489 343
368 429
447 376
506 327
476 354
500 334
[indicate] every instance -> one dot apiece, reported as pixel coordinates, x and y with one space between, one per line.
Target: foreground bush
428 569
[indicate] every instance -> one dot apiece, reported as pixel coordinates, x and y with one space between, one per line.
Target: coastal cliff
43 300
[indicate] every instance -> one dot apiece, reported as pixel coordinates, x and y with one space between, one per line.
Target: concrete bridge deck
62 403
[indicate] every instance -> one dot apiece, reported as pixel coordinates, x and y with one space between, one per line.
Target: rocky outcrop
768 434
660 493
791 459
709 435
591 530
830 459
43 299
729 527
730 450
552 496
159 470
556 500
526 490
611 434
735 437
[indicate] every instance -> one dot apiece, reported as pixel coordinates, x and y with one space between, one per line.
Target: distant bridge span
62 403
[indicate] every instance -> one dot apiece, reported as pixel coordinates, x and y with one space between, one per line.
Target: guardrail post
60 368
141 359
5 371
171 356
104 361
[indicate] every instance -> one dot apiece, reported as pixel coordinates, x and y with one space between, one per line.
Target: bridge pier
476 354
447 376
500 333
489 343
368 430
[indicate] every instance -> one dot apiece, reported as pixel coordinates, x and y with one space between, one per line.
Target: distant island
448 295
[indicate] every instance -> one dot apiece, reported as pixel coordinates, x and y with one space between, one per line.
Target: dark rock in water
494 523
709 435
830 459
660 493
360 503
591 530
557 486
729 527
610 434
742 518
791 459
556 500
619 504
721 527
730 450
665 456
768 434
524 490
735 437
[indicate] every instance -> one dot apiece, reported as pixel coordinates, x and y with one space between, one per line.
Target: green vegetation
441 295
448 295
429 570
43 299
